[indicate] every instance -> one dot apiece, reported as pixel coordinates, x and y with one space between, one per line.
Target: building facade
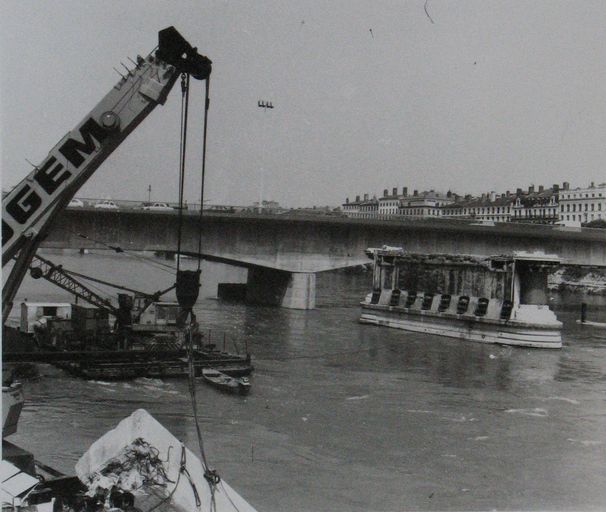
582 205
490 207
541 206
426 204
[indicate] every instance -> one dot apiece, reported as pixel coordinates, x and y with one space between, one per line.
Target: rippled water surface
351 417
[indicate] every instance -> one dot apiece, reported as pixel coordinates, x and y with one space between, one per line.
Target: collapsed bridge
283 253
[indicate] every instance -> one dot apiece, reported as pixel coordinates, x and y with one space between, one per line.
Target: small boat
225 382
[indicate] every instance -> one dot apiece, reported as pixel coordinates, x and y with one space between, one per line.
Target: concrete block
270 287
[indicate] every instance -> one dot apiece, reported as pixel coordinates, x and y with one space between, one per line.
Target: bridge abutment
293 290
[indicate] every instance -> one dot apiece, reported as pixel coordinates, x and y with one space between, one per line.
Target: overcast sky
485 95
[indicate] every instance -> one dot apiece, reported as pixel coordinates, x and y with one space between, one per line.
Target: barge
77 338
497 299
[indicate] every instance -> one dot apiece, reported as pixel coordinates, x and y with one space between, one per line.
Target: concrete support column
279 288
301 291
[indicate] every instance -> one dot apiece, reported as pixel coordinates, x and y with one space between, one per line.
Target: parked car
76 203
158 207
107 204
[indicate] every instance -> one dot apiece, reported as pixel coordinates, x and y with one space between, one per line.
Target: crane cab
38 313
156 316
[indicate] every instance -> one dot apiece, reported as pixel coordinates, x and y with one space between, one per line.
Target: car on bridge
158 207
76 203
107 204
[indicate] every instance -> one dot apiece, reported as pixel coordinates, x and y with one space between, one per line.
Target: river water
351 417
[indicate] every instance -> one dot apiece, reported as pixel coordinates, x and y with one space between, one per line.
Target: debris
138 465
140 454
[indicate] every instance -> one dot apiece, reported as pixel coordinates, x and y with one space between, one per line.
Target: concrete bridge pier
294 290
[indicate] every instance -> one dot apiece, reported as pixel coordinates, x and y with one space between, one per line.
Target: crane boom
41 267
29 209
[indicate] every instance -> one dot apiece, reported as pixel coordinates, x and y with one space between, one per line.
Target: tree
600 224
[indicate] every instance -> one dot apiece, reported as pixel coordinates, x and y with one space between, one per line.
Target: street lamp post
265 105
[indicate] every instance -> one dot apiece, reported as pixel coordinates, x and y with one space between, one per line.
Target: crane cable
204 138
117 249
117 286
211 476
182 151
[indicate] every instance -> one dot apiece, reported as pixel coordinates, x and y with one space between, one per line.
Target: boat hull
481 330
225 382
176 495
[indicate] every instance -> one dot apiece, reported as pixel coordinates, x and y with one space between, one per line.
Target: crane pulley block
188 288
175 50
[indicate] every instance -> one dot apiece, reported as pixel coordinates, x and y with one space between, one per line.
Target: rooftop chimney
357 199
415 193
394 191
541 188
507 193
347 200
385 192
566 185
556 188
365 197
531 189
493 196
404 191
